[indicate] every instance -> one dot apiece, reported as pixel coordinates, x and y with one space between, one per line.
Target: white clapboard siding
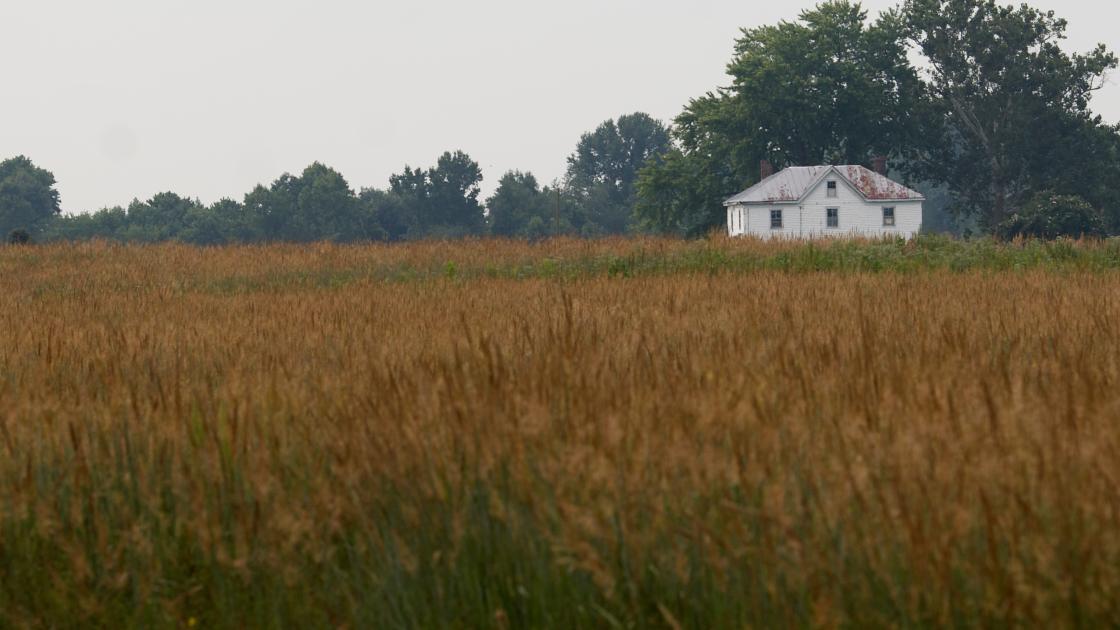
807 217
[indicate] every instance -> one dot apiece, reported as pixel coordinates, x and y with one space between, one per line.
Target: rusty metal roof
792 184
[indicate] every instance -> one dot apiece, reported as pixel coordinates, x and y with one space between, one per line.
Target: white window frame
780 216
893 220
828 219
832 189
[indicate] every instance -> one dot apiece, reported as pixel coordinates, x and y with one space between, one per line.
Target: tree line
596 197
993 123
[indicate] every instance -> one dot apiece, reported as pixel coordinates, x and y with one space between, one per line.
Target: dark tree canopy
28 198
316 205
161 218
441 201
515 205
1008 100
1049 215
603 171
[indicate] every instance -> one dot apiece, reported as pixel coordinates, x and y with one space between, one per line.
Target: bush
19 237
1049 215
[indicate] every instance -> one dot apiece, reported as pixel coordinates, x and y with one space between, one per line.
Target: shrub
19 237
1050 215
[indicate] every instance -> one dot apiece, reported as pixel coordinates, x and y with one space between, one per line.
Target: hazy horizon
127 99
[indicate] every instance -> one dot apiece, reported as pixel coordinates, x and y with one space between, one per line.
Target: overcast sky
127 98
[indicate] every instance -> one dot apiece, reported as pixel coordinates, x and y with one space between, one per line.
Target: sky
123 99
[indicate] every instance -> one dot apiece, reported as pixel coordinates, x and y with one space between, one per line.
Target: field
621 433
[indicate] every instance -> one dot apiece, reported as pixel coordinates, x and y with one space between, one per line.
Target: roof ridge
793 183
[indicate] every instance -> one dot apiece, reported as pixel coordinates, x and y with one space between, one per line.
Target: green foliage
440 202
453 190
19 237
683 193
517 201
603 171
28 198
316 205
161 218
107 223
1049 215
1011 107
645 257
828 88
520 209
387 213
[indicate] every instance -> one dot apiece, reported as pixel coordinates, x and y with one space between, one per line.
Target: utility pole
557 230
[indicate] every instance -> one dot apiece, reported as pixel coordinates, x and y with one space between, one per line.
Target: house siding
809 218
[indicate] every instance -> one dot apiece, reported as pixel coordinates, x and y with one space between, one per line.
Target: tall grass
704 435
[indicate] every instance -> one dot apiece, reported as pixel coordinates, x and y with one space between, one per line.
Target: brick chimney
879 165
766 169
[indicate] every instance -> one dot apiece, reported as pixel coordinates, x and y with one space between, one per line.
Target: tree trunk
999 203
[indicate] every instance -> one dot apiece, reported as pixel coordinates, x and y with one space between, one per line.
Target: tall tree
603 171
328 207
275 209
832 87
453 191
316 205
441 201
28 198
1008 97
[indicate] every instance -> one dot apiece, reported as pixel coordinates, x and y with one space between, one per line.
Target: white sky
206 98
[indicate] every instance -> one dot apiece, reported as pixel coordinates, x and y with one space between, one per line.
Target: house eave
784 202
795 202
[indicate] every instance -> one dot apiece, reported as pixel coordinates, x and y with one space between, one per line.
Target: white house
823 201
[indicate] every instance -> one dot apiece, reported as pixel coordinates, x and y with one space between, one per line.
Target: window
775 219
833 217
832 189
888 217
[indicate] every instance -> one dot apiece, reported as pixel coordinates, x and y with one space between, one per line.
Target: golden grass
723 449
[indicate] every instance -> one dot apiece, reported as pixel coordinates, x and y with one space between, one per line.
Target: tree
274 208
237 224
453 190
108 223
442 201
316 205
161 218
327 207
513 206
828 88
224 221
1005 95
1083 160
28 198
603 171
388 214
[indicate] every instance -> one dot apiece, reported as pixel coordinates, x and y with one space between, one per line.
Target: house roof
792 184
